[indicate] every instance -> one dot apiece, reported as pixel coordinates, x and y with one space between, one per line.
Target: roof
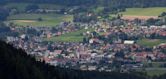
128 42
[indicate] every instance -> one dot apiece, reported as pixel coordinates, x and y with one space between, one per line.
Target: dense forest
114 3
16 64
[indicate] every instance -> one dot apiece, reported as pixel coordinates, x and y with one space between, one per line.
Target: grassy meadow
150 43
155 72
76 36
32 19
153 11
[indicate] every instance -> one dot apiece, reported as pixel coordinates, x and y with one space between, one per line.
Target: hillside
115 3
15 64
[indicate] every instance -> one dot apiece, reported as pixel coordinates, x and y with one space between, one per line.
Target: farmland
154 11
32 19
155 72
150 42
76 36
142 13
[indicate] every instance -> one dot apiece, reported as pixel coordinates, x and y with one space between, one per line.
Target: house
128 42
58 51
91 68
83 67
140 56
163 45
23 36
161 56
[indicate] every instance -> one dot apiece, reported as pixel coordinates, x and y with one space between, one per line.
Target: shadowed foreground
16 64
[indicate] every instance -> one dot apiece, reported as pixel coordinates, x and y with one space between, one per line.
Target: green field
152 72
150 43
70 37
98 9
154 11
155 72
32 19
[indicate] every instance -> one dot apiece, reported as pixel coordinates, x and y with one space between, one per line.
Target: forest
113 3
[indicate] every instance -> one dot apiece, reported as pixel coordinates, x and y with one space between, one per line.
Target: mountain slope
16 64
114 3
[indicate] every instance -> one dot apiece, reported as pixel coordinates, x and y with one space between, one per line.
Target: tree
40 19
163 14
2 2
151 21
31 7
4 13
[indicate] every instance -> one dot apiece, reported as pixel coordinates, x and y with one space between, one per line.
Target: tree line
114 3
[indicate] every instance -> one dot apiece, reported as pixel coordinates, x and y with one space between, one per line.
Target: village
106 48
